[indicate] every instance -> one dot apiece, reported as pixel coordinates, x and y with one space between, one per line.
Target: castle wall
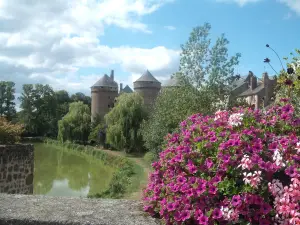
148 90
102 100
16 169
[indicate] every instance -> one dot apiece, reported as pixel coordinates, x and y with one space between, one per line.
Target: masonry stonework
16 169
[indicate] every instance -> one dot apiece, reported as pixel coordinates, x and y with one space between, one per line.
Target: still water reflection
59 172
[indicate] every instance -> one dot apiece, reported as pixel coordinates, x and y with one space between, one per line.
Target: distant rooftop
105 81
147 76
172 82
127 89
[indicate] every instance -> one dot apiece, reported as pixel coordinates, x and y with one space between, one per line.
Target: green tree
7 97
172 106
123 121
75 125
288 85
38 104
207 66
82 98
63 101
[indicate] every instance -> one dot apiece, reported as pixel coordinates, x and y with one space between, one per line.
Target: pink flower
217 213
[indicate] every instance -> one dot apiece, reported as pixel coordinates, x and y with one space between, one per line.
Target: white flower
236 119
277 157
298 147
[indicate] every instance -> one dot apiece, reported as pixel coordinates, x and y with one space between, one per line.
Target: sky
70 44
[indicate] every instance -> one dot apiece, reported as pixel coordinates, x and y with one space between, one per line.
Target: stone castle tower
105 91
103 94
148 87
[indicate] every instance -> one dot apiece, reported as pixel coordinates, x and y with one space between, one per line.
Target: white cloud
239 2
48 41
292 4
170 27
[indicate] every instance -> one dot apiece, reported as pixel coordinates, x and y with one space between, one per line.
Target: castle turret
103 92
148 87
173 82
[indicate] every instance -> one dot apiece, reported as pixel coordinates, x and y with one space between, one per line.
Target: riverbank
130 174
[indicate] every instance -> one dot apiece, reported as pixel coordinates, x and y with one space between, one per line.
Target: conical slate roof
127 89
147 76
105 81
172 82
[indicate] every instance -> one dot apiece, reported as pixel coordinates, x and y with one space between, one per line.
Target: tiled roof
147 76
250 92
127 89
172 82
105 81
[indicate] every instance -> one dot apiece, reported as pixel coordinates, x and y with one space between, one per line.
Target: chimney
112 75
265 79
253 82
121 87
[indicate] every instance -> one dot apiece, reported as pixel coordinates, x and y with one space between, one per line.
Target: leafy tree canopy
208 66
123 121
75 125
7 97
171 107
38 104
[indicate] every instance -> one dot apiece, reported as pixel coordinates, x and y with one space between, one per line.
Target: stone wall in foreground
46 210
16 168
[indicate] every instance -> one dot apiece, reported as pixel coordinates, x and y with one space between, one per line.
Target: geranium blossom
234 167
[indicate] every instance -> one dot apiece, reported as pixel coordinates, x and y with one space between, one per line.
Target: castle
257 92
105 91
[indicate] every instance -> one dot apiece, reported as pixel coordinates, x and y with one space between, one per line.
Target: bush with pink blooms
235 167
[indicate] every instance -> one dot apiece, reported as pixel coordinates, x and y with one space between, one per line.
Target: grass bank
127 173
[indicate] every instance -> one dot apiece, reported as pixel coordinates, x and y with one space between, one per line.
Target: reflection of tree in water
75 169
45 168
55 164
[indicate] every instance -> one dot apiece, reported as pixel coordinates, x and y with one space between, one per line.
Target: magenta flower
203 220
236 200
212 158
217 213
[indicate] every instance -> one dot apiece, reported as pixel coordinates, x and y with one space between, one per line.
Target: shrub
237 167
9 133
150 157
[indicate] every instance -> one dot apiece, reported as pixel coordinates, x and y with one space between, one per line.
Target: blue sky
70 44
249 28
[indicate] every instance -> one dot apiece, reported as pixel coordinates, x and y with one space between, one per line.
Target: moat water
59 172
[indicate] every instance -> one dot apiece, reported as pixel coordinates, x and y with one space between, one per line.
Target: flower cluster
237 167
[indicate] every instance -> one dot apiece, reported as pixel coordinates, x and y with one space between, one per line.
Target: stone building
105 91
103 94
148 87
258 92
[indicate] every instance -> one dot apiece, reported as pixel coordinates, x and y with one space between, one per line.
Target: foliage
38 104
235 167
123 121
150 157
80 97
208 67
98 134
171 107
122 177
63 101
75 125
9 133
289 81
7 97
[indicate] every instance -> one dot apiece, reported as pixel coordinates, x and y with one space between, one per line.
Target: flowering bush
237 167
10 133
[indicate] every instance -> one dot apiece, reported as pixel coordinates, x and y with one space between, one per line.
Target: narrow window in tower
108 106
